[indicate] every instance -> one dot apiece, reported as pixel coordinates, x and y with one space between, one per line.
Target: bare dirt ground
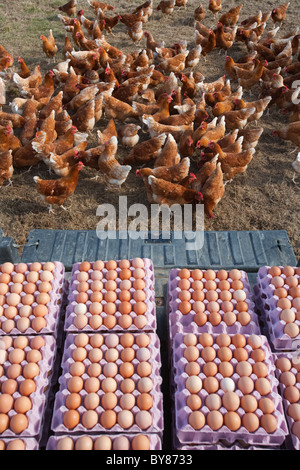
263 198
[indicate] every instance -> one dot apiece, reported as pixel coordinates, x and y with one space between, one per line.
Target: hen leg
51 211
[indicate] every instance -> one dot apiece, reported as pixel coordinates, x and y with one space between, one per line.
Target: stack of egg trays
55 306
155 441
186 435
37 414
179 323
293 442
270 314
150 302
57 425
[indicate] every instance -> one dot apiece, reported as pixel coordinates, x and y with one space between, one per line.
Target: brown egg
244 318
125 274
274 271
288 271
296 362
73 401
4 289
240 354
109 401
193 401
103 443
210 285
142 340
281 292
197 285
185 307
109 322
214 419
230 401
111 285
29 288
184 273
89 419
249 403
4 278
263 386
40 311
75 384
222 274
126 369
13 299
144 401
211 296
237 285
210 369
227 306
269 423
94 370
128 385
127 355
235 274
81 340
110 308
283 303
111 355
197 274
213 307
250 421
38 323
200 318
229 318
214 318
266 405
140 308
85 266
296 429
43 298
18 423
125 321
291 329
294 411
139 284
211 384
92 384
98 265
238 340
144 385
192 368
91 401
110 369
213 401
243 368
111 275
20 342
124 264
14 371
16 288
121 443
226 369
283 364
183 284
197 419
4 422
109 384
277 282
6 402
199 307
84 443
208 354
127 340
291 281
224 354
16 356
205 339
16 444
7 268
127 401
22 404
232 420
10 386
225 296
140 442
224 285
245 385
292 394
124 295
79 354
260 369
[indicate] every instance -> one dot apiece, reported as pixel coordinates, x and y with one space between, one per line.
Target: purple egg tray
29 442
36 415
270 314
155 440
293 441
179 323
54 306
150 301
187 435
156 411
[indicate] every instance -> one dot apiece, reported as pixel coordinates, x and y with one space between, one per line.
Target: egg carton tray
270 313
150 314
157 426
30 442
179 323
44 382
293 442
54 305
155 439
185 432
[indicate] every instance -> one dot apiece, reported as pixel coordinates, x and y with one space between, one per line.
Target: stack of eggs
110 393
30 311
210 301
111 296
223 383
288 373
226 390
277 292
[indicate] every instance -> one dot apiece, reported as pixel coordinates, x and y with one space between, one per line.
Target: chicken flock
154 92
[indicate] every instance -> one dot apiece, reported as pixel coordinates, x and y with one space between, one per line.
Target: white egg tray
150 302
155 439
54 306
294 442
30 442
36 415
187 435
179 323
157 426
270 313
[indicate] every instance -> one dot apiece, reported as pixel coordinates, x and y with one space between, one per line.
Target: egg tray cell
29 442
293 442
156 411
150 302
155 439
179 323
266 303
186 434
54 306
36 415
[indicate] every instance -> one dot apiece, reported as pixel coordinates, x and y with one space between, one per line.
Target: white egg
227 384
80 309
